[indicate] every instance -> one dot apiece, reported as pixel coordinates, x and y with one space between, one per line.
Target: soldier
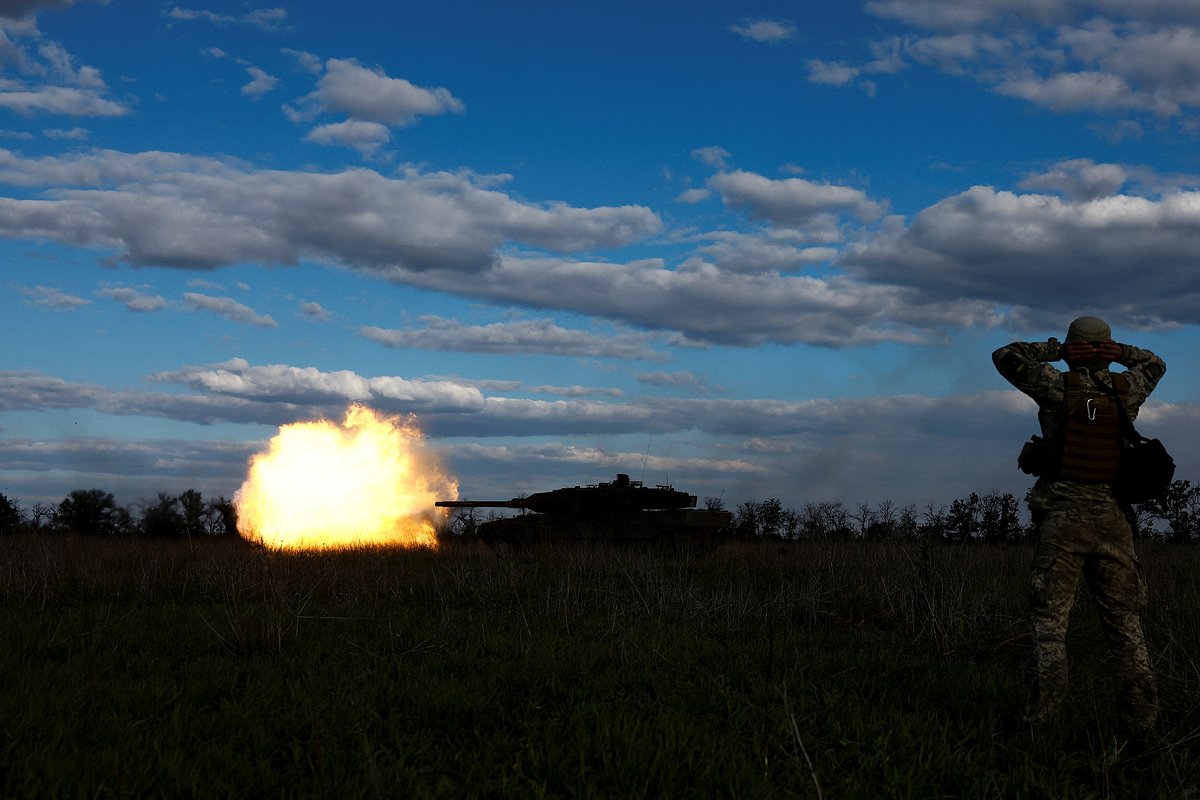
1081 525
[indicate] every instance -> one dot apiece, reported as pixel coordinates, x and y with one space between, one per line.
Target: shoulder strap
1118 392
1120 383
1071 391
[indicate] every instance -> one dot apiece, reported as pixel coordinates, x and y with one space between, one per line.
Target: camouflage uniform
1083 528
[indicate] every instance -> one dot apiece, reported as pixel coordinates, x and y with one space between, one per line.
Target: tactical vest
1091 431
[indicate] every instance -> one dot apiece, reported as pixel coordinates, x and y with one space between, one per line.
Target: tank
622 511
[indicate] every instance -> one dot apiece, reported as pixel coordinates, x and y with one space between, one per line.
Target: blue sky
750 249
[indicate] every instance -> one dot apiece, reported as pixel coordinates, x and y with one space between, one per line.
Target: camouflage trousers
1097 542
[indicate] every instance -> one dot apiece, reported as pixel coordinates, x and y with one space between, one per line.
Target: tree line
95 512
992 517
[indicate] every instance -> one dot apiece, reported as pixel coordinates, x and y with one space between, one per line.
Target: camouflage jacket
1026 365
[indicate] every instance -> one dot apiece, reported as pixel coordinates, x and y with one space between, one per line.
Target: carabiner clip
1090 407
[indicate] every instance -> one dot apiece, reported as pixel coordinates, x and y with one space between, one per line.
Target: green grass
834 670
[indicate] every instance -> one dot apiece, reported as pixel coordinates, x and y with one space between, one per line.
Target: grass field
825 670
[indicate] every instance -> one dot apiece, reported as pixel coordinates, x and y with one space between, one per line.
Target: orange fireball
320 485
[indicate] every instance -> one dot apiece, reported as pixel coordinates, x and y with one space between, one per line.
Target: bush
92 511
10 516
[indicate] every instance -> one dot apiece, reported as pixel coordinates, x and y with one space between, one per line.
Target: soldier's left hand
1109 351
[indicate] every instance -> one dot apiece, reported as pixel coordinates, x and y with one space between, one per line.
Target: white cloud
52 298
765 30
681 379
1080 179
713 156
1105 57
106 168
531 336
577 391
312 310
60 66
443 232
514 469
267 19
228 308
694 196
1075 91
996 245
133 299
959 264
792 201
773 251
167 209
964 53
308 62
369 95
48 80
62 100
708 305
311 386
1160 63
67 135
939 14
260 83
831 73
366 137
204 283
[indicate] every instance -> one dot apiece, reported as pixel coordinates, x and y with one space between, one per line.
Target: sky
749 249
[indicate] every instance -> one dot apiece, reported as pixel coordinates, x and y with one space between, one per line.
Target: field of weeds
827 670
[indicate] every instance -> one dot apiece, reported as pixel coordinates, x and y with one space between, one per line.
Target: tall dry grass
823 653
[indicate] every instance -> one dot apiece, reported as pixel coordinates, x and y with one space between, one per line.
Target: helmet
1089 329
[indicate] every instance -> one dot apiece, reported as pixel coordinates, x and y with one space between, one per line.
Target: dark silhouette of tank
620 511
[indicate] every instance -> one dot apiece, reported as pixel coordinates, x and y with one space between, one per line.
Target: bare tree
220 517
906 526
934 525
825 519
884 524
864 516
191 506
40 515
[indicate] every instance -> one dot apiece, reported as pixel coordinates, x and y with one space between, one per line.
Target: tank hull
622 511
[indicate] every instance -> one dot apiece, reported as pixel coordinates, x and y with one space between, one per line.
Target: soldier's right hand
1077 351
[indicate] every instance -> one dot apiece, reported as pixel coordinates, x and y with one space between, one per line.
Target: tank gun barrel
514 503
